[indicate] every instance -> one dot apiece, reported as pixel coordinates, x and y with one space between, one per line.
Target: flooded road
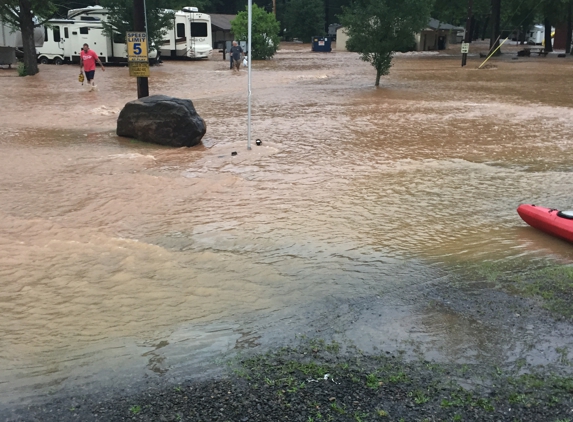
111 249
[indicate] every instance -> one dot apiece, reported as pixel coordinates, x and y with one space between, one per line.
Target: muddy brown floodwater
118 257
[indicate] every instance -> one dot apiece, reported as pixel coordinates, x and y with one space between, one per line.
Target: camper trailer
536 35
190 37
11 39
64 38
8 43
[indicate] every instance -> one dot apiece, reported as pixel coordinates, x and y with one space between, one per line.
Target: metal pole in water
249 60
139 17
468 37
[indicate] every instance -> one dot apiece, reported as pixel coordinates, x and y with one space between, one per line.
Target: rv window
57 36
180 30
46 34
66 32
84 30
198 29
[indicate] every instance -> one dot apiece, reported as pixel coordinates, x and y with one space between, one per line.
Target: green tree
304 19
378 28
265 30
26 15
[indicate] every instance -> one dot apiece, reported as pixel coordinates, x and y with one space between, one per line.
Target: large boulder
162 120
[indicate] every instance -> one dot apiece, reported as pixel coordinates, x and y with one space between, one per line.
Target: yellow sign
137 47
139 69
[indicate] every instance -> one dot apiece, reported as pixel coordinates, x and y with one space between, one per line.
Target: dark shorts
90 75
237 64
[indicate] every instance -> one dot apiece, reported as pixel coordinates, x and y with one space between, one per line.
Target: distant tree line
491 18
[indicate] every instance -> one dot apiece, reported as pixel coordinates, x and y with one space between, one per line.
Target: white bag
245 62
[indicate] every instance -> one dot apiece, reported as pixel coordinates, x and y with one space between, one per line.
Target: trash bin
321 44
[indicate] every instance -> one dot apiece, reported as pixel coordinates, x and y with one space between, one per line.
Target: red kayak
551 221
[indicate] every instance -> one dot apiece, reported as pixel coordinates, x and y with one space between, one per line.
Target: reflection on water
106 242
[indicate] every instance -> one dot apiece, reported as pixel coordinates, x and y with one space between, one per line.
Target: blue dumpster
321 44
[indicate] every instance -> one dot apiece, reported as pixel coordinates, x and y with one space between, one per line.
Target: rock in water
162 120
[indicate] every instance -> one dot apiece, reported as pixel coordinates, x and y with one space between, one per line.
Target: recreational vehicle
11 39
190 37
536 35
64 38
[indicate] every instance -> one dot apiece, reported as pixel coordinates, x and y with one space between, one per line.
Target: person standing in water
236 52
88 60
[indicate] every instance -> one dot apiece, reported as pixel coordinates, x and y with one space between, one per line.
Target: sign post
468 37
250 57
140 64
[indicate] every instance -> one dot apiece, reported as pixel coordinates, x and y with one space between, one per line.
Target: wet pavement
121 261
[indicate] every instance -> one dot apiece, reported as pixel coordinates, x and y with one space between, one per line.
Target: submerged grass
551 284
554 285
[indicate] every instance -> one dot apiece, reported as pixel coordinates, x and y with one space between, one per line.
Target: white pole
250 58
146 30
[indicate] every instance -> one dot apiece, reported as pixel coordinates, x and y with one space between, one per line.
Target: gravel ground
317 381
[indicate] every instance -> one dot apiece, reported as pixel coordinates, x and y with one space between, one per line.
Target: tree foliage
265 30
10 11
378 28
26 15
303 19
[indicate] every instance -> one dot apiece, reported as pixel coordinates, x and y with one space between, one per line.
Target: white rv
190 37
536 35
10 39
64 38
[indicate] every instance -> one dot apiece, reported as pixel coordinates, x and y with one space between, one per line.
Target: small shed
221 30
560 39
437 36
341 38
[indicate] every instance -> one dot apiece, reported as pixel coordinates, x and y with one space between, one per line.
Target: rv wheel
44 60
58 61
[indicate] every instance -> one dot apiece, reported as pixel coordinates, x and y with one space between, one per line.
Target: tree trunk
569 28
495 24
484 30
474 24
548 44
378 74
477 27
326 16
522 34
29 44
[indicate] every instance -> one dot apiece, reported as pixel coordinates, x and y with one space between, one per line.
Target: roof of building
222 21
436 24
